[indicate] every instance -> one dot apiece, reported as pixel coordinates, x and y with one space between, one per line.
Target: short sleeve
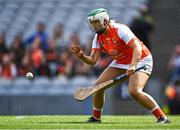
126 34
95 44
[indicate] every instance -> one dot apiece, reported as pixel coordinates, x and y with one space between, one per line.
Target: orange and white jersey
116 43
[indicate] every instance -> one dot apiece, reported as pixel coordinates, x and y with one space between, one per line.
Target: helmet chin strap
100 31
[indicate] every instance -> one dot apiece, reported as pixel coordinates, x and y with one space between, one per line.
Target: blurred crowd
46 55
172 90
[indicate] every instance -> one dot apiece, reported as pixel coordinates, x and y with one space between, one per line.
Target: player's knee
134 92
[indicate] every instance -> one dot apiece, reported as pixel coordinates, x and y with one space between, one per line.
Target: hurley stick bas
83 93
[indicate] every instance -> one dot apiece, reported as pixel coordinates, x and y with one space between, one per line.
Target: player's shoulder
119 26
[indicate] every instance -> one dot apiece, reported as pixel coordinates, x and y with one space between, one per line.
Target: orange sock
158 112
97 113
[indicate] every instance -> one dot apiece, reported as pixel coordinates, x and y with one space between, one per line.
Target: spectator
175 58
142 25
26 64
82 69
51 58
58 36
41 34
174 62
3 48
52 53
74 38
173 95
7 68
43 69
65 65
36 53
17 50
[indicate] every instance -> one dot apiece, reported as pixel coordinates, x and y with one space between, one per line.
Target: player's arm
129 38
137 52
91 60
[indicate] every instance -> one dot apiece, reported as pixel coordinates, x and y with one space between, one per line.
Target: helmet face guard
101 15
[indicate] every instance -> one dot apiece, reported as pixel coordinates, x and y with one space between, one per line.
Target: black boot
163 120
93 120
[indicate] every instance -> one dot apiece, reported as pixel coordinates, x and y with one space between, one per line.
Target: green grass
78 122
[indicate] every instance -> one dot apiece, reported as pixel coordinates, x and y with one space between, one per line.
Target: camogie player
128 53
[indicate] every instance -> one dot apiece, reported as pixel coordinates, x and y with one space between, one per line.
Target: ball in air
29 75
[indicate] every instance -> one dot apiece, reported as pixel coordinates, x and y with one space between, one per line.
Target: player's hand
131 70
75 49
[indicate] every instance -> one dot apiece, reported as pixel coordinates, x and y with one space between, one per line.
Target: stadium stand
25 14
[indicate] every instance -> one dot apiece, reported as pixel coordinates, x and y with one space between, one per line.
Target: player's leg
108 74
99 97
137 81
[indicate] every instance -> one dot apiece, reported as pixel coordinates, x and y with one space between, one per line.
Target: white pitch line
20 117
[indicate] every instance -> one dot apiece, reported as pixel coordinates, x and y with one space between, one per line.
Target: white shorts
147 61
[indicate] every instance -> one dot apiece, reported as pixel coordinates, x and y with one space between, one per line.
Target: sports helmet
98 14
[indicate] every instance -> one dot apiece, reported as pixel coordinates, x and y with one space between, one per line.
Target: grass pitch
79 122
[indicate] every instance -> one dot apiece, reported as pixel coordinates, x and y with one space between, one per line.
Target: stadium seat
60 82
21 82
60 86
41 82
5 85
39 86
20 86
80 81
53 11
